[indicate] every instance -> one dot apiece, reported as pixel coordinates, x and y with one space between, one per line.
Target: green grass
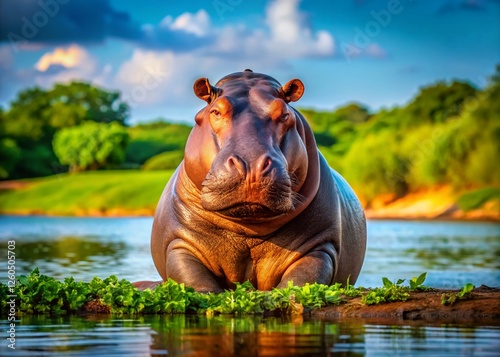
70 194
477 198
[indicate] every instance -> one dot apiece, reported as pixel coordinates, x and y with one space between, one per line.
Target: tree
438 103
91 145
9 156
37 114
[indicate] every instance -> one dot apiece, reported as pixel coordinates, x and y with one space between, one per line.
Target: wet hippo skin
253 198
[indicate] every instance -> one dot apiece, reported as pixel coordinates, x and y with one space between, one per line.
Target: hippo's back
353 232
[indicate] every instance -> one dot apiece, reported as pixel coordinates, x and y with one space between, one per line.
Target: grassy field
135 192
97 192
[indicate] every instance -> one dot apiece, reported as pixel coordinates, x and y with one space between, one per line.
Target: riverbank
482 307
389 304
93 193
136 193
439 203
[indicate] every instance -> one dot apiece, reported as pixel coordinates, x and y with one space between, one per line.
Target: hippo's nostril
264 165
235 163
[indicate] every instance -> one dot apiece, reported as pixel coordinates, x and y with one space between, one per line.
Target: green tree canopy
438 102
449 134
91 145
36 114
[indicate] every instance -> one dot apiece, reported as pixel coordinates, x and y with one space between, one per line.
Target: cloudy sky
377 52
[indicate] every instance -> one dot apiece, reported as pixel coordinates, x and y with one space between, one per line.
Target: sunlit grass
71 194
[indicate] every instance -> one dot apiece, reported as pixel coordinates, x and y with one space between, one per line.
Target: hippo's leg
145 284
185 268
315 267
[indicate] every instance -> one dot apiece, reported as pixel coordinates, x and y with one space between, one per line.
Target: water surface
453 254
181 335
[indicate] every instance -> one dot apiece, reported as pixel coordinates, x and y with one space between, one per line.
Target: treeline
448 134
76 127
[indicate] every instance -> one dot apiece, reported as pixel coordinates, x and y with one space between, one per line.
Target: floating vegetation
41 294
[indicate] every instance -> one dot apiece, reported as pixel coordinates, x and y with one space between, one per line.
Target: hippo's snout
253 171
245 188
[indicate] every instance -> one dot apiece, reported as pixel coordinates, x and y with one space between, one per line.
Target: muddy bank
438 203
482 307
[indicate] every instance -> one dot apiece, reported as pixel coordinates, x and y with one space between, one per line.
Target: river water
452 254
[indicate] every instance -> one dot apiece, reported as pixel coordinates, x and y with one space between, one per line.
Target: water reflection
80 247
181 335
453 253
65 256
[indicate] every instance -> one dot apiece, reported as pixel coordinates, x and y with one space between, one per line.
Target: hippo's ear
204 90
293 90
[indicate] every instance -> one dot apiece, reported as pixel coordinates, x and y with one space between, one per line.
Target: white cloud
73 56
375 50
197 24
145 76
6 57
156 76
290 31
151 77
65 64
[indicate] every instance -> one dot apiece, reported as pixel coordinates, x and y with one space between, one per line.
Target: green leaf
387 282
421 278
466 289
23 280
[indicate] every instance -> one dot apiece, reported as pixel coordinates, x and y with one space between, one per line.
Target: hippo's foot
315 267
142 285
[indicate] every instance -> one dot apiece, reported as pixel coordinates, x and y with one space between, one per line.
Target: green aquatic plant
389 292
417 283
41 294
463 294
395 291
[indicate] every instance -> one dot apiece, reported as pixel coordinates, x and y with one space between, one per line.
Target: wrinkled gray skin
254 199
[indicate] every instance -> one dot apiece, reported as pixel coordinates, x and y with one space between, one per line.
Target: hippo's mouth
249 210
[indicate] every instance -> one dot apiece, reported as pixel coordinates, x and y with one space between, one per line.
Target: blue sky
376 52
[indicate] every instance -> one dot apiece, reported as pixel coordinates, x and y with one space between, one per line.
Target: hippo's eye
215 112
284 117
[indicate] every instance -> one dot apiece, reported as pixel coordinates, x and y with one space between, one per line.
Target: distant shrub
148 140
165 161
477 198
91 146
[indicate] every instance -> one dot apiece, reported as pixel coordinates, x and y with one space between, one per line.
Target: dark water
452 253
181 335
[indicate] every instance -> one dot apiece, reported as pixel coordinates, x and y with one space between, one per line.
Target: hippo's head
247 153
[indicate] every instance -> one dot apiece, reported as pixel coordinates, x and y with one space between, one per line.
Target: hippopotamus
254 200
